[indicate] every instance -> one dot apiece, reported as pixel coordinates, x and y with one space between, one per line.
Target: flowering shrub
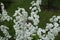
24 30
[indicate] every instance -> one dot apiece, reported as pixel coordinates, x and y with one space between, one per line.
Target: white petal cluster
49 26
23 30
51 30
4 16
35 8
4 30
3 38
37 3
54 19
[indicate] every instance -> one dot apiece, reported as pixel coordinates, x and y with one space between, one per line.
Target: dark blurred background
46 4
51 4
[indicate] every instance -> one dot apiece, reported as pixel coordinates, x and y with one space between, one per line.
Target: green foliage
6 2
44 2
55 3
35 37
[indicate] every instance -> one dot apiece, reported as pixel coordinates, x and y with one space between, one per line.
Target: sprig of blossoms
51 30
35 8
6 33
22 28
4 16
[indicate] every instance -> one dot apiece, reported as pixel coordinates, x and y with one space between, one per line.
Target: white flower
49 26
50 35
58 17
39 32
4 15
30 18
58 29
30 7
54 31
4 30
35 8
56 24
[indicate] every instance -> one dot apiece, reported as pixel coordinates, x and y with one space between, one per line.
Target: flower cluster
4 16
6 33
35 8
51 30
23 29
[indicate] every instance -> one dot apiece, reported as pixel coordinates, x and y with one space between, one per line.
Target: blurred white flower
4 30
4 15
